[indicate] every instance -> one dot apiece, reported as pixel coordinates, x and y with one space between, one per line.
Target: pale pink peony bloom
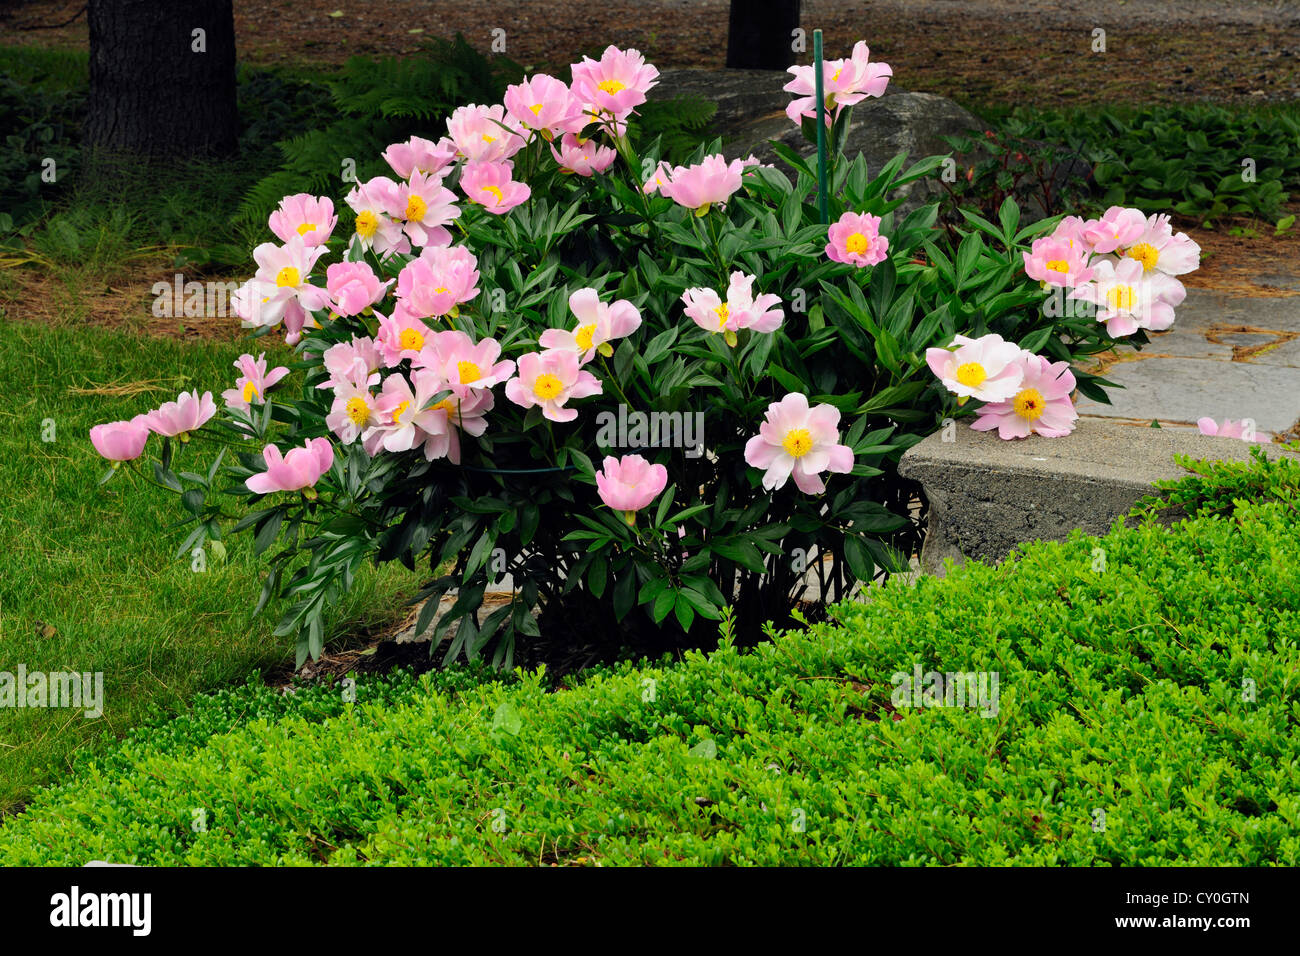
1243 430
583 156
177 419
463 365
250 388
310 217
542 104
1070 229
420 155
800 441
630 484
466 413
404 416
549 379
844 83
616 84
855 240
353 411
1159 250
425 207
1060 262
300 469
121 441
352 363
1041 406
698 187
490 185
1129 298
353 287
280 290
375 225
662 174
400 336
986 368
1116 228
438 281
598 325
484 134
706 309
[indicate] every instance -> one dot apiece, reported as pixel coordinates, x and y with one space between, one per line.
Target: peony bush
646 393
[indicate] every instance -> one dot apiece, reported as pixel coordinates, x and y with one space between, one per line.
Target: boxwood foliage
1147 715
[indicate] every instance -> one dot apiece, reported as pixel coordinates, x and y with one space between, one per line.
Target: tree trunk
162 78
760 36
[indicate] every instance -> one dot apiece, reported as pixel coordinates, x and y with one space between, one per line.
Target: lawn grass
89 577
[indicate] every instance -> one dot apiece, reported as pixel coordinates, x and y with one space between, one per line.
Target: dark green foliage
1147 715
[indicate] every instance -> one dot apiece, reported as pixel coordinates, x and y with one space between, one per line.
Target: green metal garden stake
821 126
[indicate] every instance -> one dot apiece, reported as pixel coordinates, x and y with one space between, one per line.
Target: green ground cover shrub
1147 715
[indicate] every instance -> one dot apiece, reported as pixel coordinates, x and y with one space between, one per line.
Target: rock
988 495
751 111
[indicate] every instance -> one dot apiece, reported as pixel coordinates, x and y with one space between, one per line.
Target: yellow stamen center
416 208
494 191
536 108
411 340
798 442
723 313
1029 404
1058 265
971 374
1144 253
367 223
469 372
584 336
399 411
306 227
611 86
547 386
1121 298
357 410
288 276
857 244
250 390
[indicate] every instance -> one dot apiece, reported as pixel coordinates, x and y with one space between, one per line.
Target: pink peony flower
741 310
1118 227
582 156
438 281
279 291
616 84
1042 406
355 363
1159 250
250 388
300 469
490 185
550 379
426 206
598 325
630 484
466 413
353 411
985 368
1060 262
404 417
1070 229
177 419
1244 430
463 366
844 83
800 441
400 336
420 155
855 239
542 104
353 287
662 174
1129 298
310 217
698 187
121 441
375 225
484 134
